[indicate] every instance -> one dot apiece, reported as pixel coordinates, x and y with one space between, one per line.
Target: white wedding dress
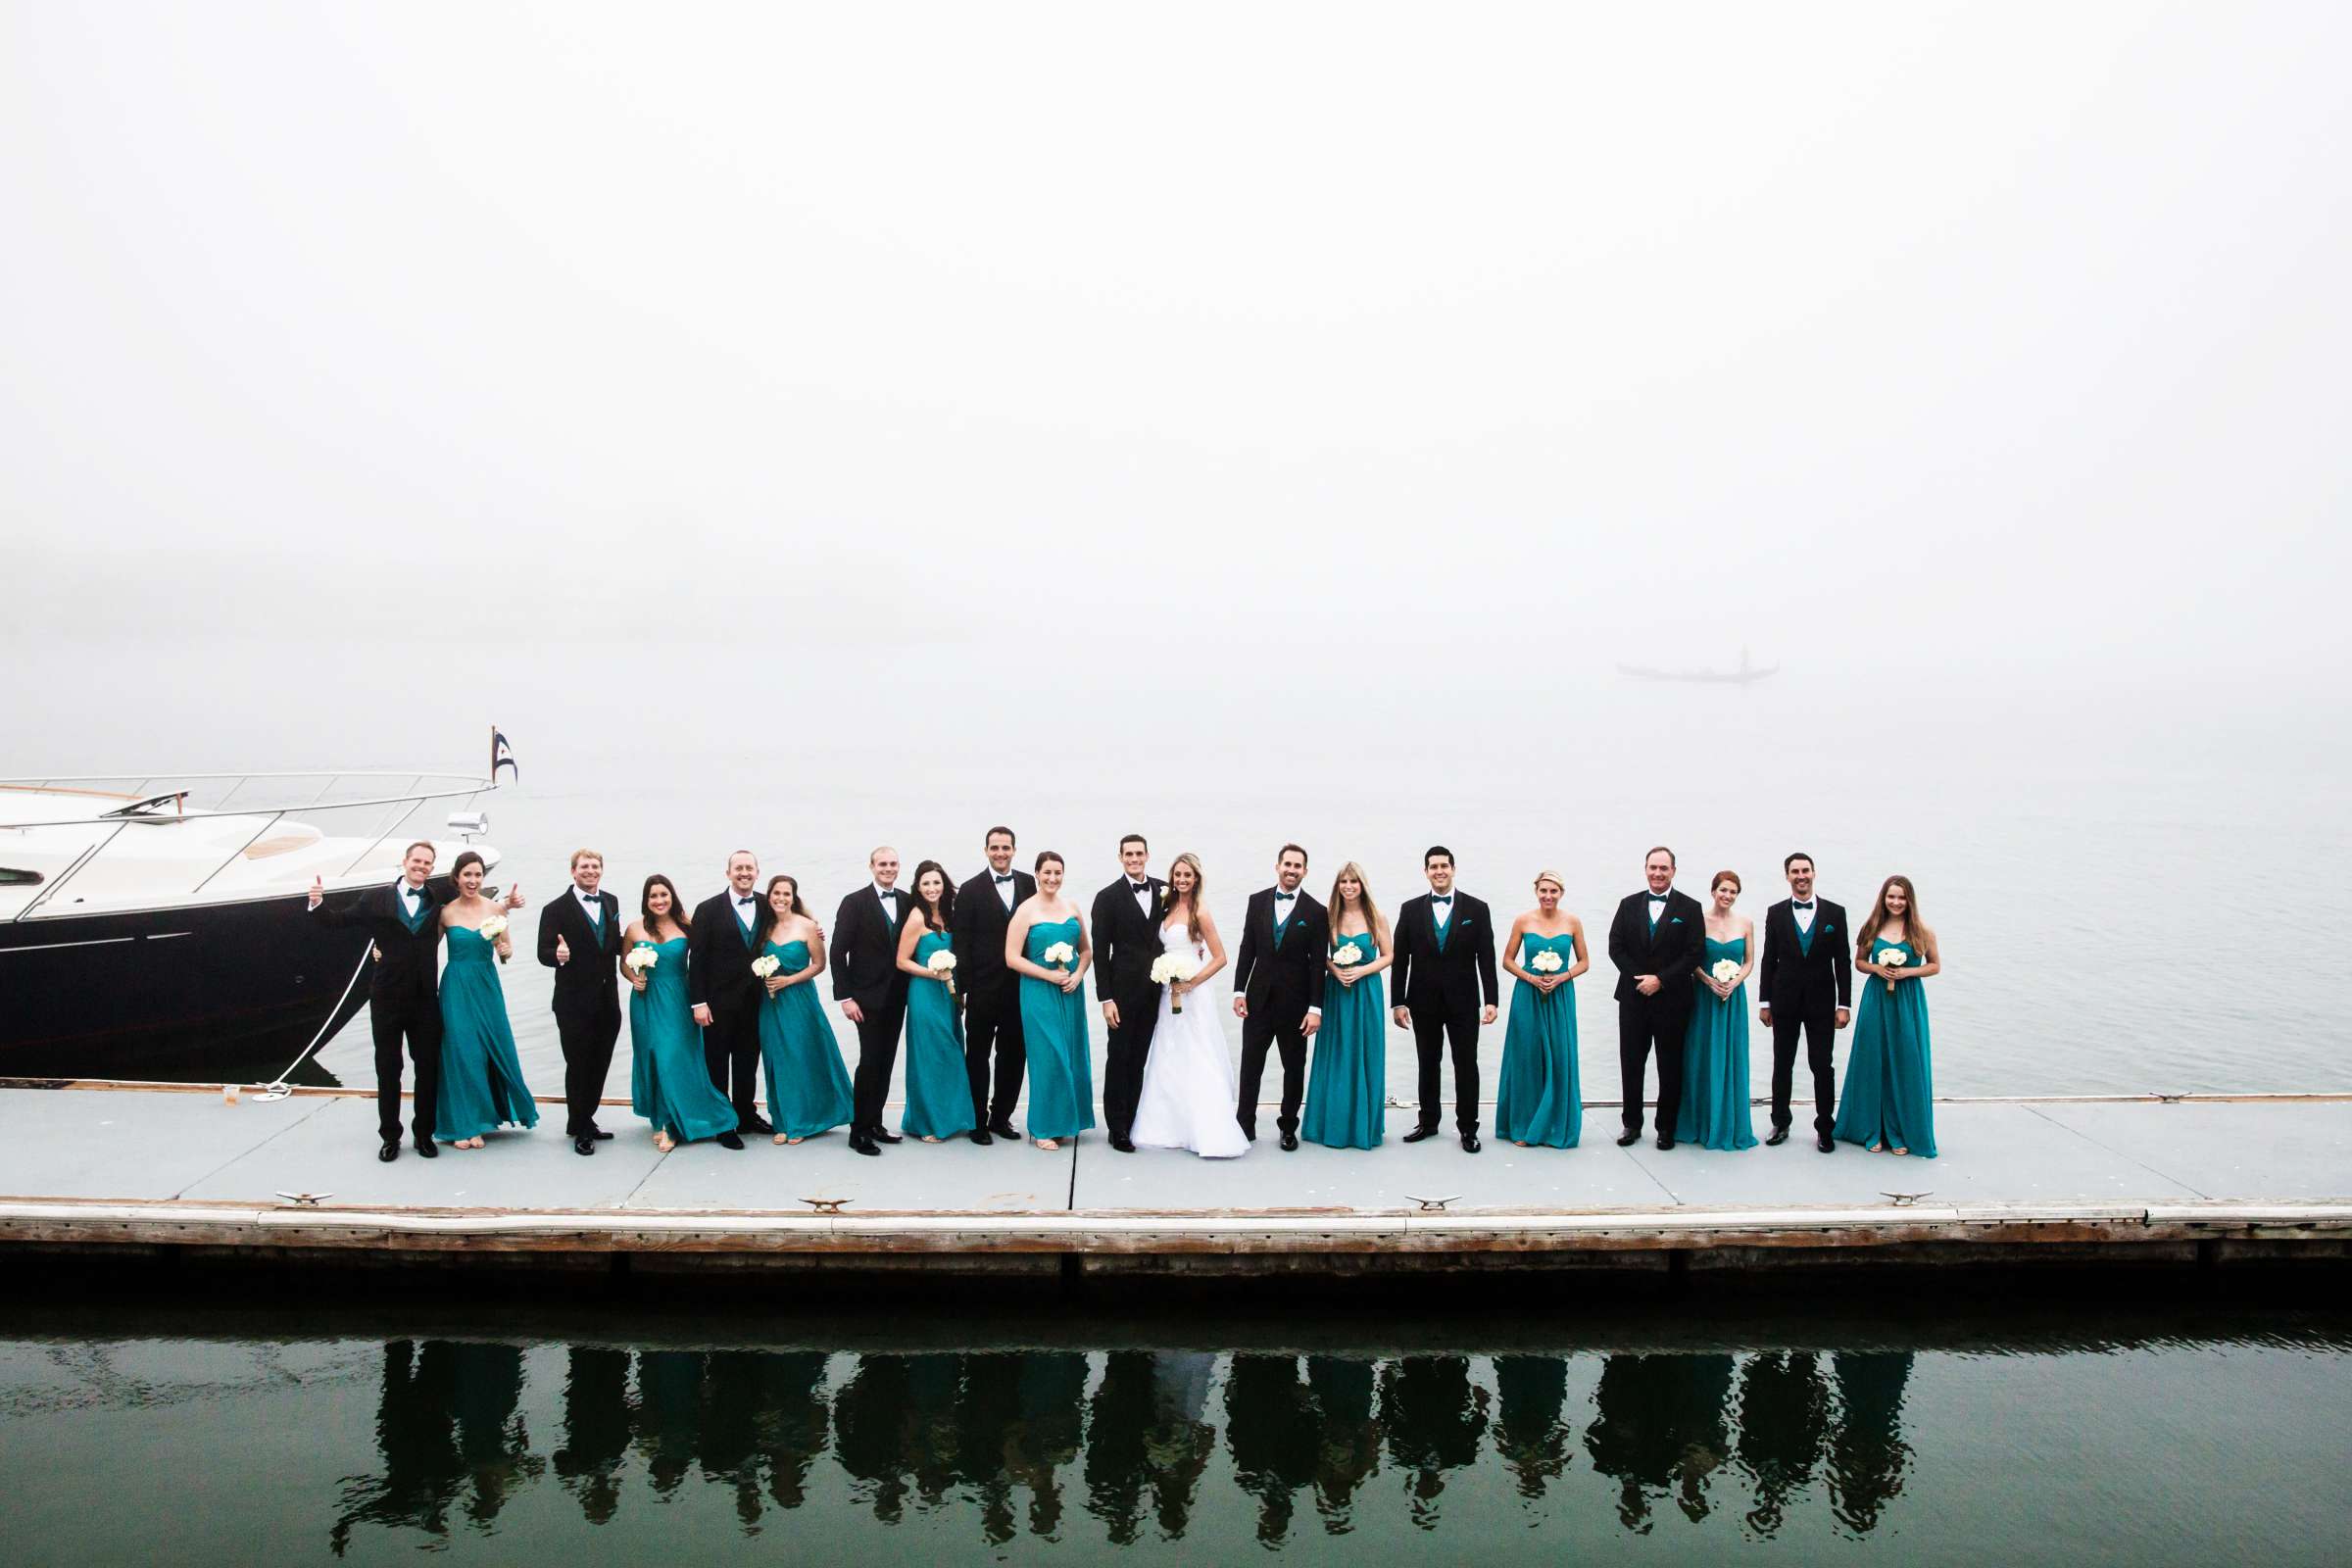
1190 1088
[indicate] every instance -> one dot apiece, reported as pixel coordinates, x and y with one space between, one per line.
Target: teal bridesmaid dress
939 1093
482 1080
807 1087
1890 1094
1348 1080
670 1084
1061 1073
1539 1099
1715 1112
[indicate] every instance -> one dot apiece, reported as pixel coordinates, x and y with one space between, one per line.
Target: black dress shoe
390 1151
1419 1133
1289 1142
1122 1146
1002 1128
1665 1140
598 1133
979 1135
1630 1137
883 1135
1470 1144
754 1124
1823 1143
859 1144
1779 1136
585 1144
424 1147
730 1141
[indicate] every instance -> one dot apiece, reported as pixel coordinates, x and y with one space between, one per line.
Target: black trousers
1435 1030
877 1060
419 1019
1259 1032
1123 1063
1819 1025
994 1021
731 1051
1645 1024
588 1039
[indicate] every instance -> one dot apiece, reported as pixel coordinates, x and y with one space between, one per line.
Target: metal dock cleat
825 1206
1431 1205
306 1200
1905 1200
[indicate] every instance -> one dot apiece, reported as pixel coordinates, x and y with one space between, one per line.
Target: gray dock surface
2198 1180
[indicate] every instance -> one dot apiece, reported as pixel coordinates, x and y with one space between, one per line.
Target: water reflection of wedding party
1129 1444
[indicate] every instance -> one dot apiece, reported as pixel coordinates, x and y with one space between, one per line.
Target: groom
1126 921
1807 968
1440 937
1277 988
1657 942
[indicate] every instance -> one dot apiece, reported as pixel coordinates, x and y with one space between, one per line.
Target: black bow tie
886 893
1807 904
1139 887
1001 880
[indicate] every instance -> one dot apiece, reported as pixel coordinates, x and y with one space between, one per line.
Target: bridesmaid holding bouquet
1046 944
1348 1082
1889 1099
1539 1099
669 1083
939 1095
481 1078
1715 1113
807 1087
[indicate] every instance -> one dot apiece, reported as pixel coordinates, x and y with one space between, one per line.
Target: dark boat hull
220 993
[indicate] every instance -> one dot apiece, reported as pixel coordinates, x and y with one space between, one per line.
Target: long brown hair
1914 927
1192 916
799 906
677 907
1339 908
935 916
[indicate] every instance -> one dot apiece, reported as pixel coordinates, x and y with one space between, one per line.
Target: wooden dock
149 1171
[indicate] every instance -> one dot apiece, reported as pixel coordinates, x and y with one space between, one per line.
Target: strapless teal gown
939 1093
1348 1079
482 1080
1539 1099
1715 1112
1061 1073
1889 1095
807 1087
669 1084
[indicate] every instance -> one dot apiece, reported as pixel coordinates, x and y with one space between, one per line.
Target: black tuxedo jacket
1801 979
718 960
978 929
407 962
1672 952
1127 943
865 950
1424 978
587 987
1286 979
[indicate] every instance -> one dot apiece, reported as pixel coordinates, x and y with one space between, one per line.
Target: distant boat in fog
1746 674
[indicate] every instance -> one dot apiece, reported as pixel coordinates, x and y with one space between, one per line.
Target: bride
1189 1084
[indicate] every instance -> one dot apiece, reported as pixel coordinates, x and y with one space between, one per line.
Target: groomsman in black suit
1439 936
1277 988
1657 942
579 938
871 989
1126 936
728 928
990 992
404 989
1807 967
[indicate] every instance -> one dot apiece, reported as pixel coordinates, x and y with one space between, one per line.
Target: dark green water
501 1435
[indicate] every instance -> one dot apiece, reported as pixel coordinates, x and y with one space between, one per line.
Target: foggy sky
2006 341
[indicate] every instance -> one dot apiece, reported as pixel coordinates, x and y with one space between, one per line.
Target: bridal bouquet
943 964
643 957
1173 967
1060 955
1892 958
1726 971
1347 955
766 965
493 928
1547 963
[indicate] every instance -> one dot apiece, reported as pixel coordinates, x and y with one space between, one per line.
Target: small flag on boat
502 756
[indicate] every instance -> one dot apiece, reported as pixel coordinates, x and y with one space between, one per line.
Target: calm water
2081 1437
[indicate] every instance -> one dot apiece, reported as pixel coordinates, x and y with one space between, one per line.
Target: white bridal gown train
1190 1088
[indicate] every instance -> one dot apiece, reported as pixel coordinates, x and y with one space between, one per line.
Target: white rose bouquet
1892 958
943 964
1061 956
643 957
1347 955
765 965
1547 961
493 928
1726 971
1170 966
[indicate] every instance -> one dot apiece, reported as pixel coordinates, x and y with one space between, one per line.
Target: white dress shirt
1803 917
890 910
747 907
594 904
1657 905
1442 913
1143 895
1006 890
